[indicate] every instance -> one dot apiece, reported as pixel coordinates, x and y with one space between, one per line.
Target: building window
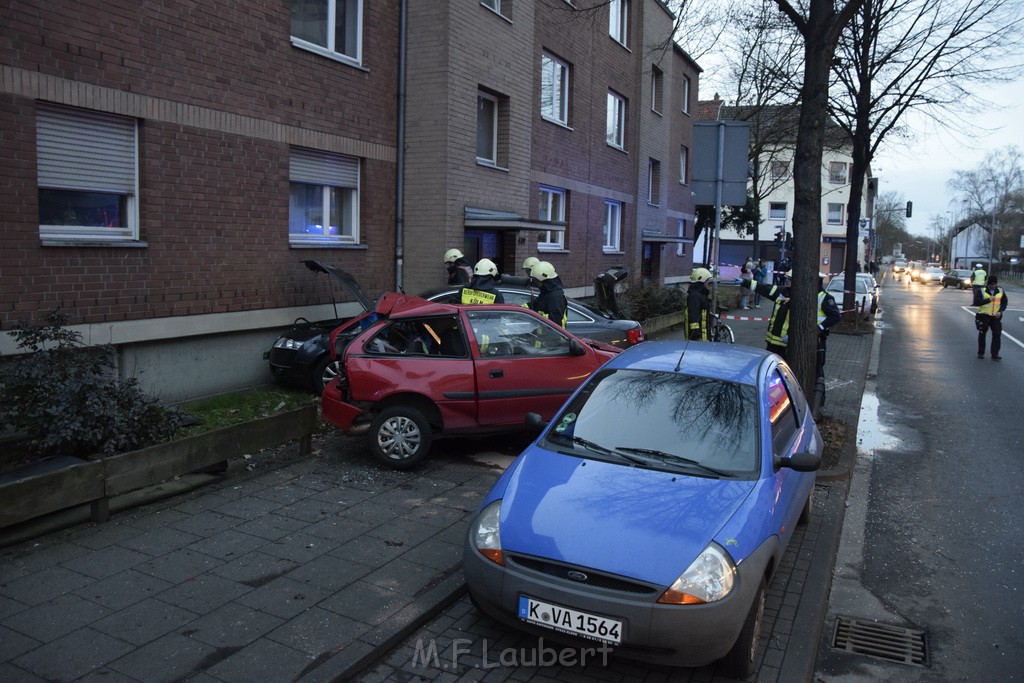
779 170
681 233
686 94
684 165
552 210
331 27
653 182
777 210
486 128
612 225
87 180
618 20
616 133
554 89
323 206
835 214
657 81
492 4
837 172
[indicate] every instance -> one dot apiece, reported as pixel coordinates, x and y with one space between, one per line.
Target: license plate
566 620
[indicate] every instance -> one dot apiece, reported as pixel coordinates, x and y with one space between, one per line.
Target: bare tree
899 55
820 23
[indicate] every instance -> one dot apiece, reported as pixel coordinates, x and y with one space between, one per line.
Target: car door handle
496 373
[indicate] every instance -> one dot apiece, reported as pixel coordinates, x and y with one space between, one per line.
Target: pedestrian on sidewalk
747 273
761 276
991 305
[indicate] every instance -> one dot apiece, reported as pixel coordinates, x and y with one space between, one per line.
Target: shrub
67 398
643 302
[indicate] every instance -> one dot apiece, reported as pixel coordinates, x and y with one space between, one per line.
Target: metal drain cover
885 641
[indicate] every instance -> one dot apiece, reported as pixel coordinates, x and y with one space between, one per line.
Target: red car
412 370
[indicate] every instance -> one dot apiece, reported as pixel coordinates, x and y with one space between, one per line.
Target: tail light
635 335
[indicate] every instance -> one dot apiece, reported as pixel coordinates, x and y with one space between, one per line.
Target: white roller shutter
322 168
85 150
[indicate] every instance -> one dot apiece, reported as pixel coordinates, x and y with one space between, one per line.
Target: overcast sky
920 172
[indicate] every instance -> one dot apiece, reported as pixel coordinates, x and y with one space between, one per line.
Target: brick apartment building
168 165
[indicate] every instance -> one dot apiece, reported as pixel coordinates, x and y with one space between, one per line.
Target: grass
228 409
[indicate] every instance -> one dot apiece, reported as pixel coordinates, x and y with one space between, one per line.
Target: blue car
650 514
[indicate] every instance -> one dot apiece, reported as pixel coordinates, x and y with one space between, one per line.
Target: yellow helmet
451 255
700 275
485 266
530 262
542 270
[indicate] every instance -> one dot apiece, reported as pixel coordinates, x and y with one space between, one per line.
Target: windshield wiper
671 457
598 448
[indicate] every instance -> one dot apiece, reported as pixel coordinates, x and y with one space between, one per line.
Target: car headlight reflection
288 343
486 533
710 577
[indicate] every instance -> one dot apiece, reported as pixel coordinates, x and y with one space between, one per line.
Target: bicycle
720 332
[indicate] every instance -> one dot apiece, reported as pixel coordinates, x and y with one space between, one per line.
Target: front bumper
673 635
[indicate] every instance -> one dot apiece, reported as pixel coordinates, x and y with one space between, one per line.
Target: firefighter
697 317
483 288
459 270
529 263
551 302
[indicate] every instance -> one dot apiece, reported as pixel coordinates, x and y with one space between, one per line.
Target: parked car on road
652 511
931 275
866 292
959 277
301 357
412 370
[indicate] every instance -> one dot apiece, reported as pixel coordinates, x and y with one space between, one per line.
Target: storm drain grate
885 641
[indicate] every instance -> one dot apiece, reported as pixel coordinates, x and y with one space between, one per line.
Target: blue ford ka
652 511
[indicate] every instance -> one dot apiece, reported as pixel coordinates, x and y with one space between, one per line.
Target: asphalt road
931 542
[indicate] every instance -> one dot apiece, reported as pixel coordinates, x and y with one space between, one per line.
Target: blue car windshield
663 420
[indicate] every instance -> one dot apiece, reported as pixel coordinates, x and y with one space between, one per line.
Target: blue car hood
629 521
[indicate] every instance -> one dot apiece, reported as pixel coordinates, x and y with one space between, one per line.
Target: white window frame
615 130
329 48
487 97
553 212
681 233
618 21
686 95
778 210
327 171
837 172
554 105
836 208
653 182
612 230
492 5
79 150
657 89
684 164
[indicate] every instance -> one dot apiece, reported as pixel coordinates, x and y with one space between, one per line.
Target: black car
959 278
300 357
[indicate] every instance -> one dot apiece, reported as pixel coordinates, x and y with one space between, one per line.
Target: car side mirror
805 461
535 421
576 348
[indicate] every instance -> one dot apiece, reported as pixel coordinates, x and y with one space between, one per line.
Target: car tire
805 513
400 437
324 371
740 660
945 284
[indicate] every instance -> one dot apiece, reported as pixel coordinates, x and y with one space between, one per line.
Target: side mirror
804 461
535 421
576 348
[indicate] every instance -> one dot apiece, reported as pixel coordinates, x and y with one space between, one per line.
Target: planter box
662 322
27 494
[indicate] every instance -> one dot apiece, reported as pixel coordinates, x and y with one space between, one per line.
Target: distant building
969 245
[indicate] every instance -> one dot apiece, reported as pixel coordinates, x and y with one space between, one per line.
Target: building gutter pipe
400 153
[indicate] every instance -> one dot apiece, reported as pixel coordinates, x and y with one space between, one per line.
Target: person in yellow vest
991 305
978 282
697 316
777 337
551 302
483 288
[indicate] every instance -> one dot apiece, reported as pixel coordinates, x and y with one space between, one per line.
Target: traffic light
789 240
910 209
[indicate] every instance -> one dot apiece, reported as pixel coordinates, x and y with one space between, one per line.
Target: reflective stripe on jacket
778 324
994 304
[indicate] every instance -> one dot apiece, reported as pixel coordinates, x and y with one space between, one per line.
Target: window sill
655 205
308 245
556 122
496 13
118 244
616 147
329 54
612 250
491 165
552 249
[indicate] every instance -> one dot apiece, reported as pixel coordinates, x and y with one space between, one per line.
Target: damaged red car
412 370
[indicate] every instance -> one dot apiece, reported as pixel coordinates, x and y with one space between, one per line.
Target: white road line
1005 335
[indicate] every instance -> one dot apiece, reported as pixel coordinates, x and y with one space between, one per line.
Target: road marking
1005 334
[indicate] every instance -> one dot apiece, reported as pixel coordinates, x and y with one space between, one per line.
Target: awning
506 220
653 236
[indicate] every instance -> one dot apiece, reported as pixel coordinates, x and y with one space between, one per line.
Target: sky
920 171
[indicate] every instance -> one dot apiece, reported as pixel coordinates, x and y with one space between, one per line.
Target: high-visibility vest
992 307
778 324
477 296
979 278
